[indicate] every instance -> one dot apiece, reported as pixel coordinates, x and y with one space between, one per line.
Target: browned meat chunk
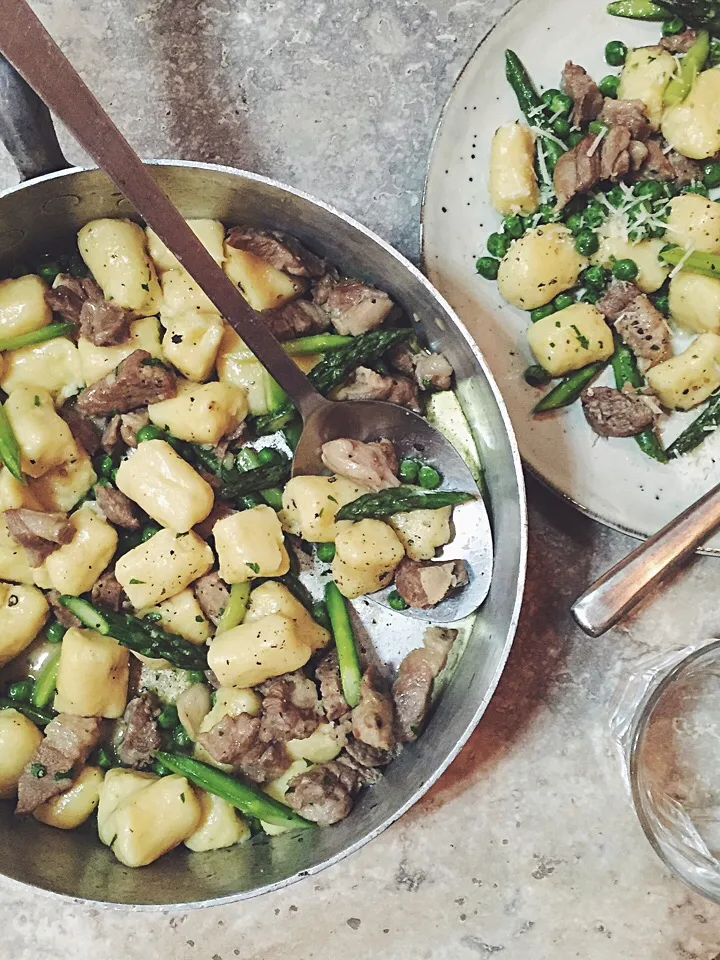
686 170
212 594
136 382
372 465
679 42
356 308
365 755
62 614
638 154
139 734
130 423
577 171
290 708
299 318
282 252
267 763
108 592
644 330
424 585
586 96
612 413
325 793
37 532
631 114
413 686
111 434
365 384
327 673
373 717
84 430
67 745
118 508
237 740
221 509
432 371
233 440
102 322
615 154
617 299
657 165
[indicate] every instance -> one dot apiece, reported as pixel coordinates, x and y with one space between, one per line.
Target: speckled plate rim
531 468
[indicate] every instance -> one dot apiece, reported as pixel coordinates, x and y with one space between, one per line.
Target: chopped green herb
582 340
254 567
38 770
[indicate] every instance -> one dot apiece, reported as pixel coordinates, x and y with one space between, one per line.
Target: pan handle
26 127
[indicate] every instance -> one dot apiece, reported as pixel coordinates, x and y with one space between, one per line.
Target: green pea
537 376
662 302
616 197
268 455
616 53
672 27
105 758
55 632
539 313
48 271
595 215
21 690
548 213
149 531
153 617
587 243
561 127
563 301
609 86
149 432
408 471
625 269
76 266
429 478
596 127
513 227
325 552
696 186
575 223
195 676
655 231
714 58
160 769
487 267
553 152
575 138
168 717
320 614
104 466
549 95
396 602
561 103
652 189
591 296
595 277
497 245
711 175
180 738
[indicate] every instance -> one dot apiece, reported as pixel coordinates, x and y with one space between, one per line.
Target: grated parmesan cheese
686 256
596 143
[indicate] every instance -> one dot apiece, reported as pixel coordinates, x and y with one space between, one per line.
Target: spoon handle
36 56
615 593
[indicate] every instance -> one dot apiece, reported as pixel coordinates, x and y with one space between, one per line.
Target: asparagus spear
320 343
234 612
523 87
249 800
638 10
626 370
44 687
50 332
569 388
249 460
237 483
9 448
142 636
698 430
690 66
39 717
707 264
348 661
399 500
703 14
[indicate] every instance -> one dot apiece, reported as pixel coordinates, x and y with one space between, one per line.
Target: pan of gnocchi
199 699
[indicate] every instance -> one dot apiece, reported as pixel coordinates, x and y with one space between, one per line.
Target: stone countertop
528 846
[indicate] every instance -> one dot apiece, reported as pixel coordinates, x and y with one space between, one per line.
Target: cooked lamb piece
139 734
638 154
372 465
324 794
108 592
299 318
280 251
679 42
413 686
615 160
613 413
290 708
433 371
237 740
586 96
37 532
321 288
268 763
84 430
136 382
221 509
232 440
111 434
356 308
403 358
618 298
365 384
130 423
631 114
577 171
327 674
62 614
657 165
367 756
424 585
373 717
212 594
49 772
81 301
118 508
686 170
644 330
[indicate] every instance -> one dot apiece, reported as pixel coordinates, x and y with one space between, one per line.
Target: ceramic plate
611 480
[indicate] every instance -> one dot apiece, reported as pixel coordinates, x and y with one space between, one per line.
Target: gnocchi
163 567
695 302
191 343
253 652
76 805
92 676
684 381
571 339
23 308
421 532
76 566
55 364
645 77
115 252
250 544
201 413
275 598
540 266
23 612
19 739
97 362
310 505
44 438
220 825
652 272
262 285
694 223
211 233
366 555
693 126
513 183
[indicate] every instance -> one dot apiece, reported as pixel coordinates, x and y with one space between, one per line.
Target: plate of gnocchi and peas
572 217
179 656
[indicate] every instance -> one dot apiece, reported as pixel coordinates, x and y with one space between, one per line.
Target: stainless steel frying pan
50 207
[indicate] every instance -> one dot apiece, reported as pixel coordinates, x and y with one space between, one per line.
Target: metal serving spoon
35 55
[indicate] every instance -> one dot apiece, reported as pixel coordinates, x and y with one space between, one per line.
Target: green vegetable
560 103
706 264
638 10
575 138
38 770
48 270
39 717
497 245
661 300
347 654
160 769
292 434
180 738
596 127
652 189
697 186
561 127
395 601
21 690
9 449
595 277
319 343
587 243
320 614
105 758
385 503
690 66
609 86
234 613
142 636
195 676
44 687
595 215
714 57
149 531
548 98
616 53
429 478
150 432
248 800
269 455
256 479
513 226
699 430
575 223
104 466
50 332
702 14
563 301
325 552
487 267
537 376
625 370
523 87
539 313
168 717
55 632
408 471
569 388
711 175
625 269
272 422
672 27
591 296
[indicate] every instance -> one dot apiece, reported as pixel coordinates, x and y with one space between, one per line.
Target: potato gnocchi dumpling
694 222
44 438
211 233
97 362
76 805
693 126
255 651
695 302
23 308
686 380
421 532
220 825
571 339
262 285
310 505
154 820
652 272
191 343
513 183
55 364
23 612
645 77
19 739
115 252
367 554
163 567
92 677
539 266
201 413
250 544
273 597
